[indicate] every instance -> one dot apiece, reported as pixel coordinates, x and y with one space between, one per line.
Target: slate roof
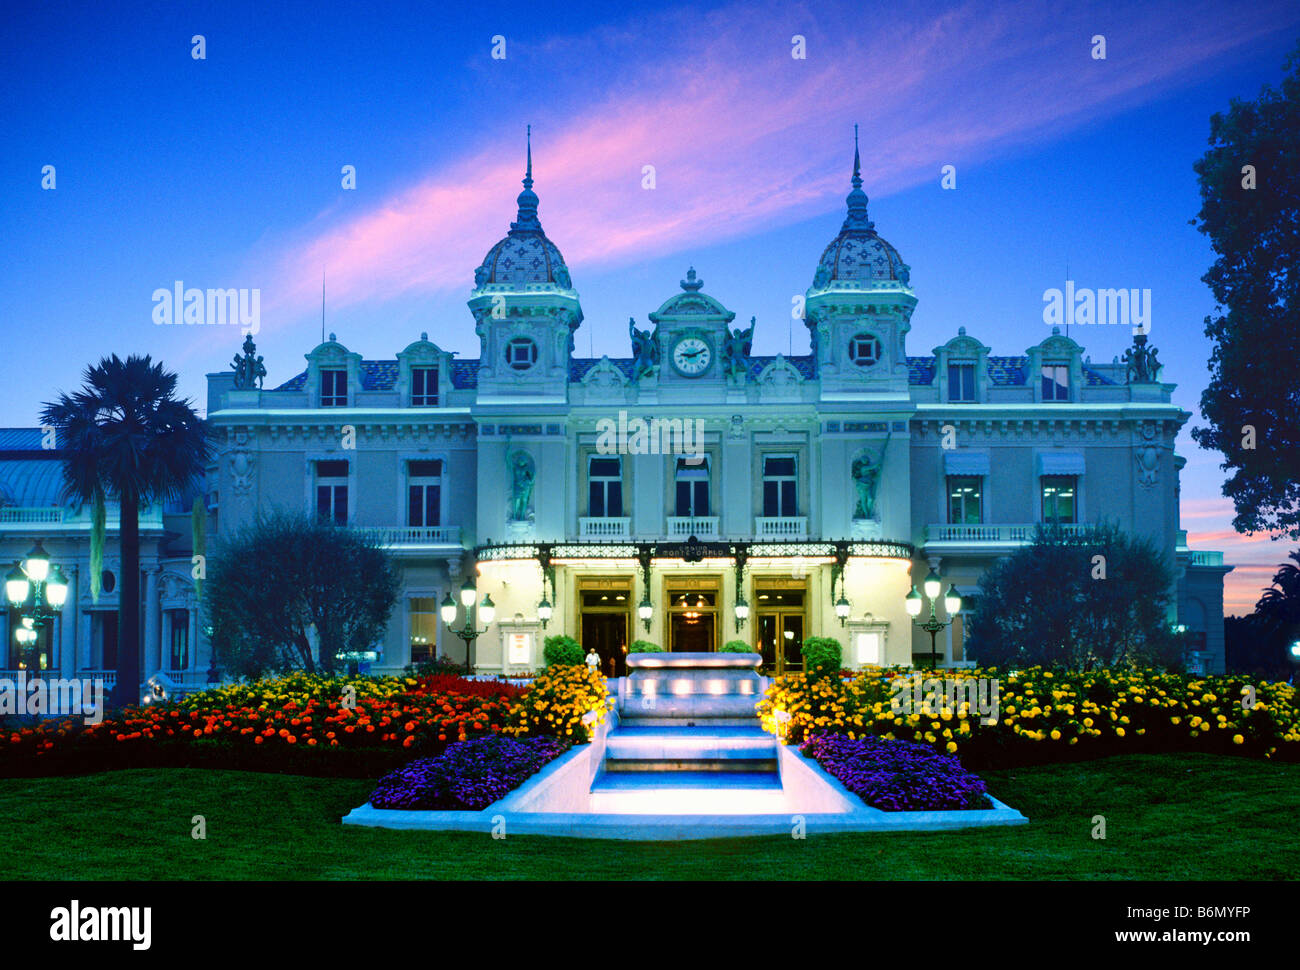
31 483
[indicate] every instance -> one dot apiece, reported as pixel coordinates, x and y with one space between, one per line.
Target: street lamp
742 613
39 590
842 608
951 602
646 610
469 632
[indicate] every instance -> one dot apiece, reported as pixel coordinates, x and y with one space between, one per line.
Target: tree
284 574
1262 640
1250 210
1100 597
129 439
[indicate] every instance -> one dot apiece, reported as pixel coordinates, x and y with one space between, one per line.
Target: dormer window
1056 382
424 386
961 382
521 353
333 388
864 349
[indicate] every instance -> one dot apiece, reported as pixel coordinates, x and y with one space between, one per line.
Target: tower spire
528 175
857 161
857 199
527 220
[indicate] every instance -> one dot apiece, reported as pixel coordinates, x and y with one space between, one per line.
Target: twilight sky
226 172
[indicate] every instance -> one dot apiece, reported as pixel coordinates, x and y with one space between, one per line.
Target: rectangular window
424 493
103 633
333 388
178 656
961 382
1059 499
424 386
605 488
779 485
423 612
965 503
692 487
332 491
1056 382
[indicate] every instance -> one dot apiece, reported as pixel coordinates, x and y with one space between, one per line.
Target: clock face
692 356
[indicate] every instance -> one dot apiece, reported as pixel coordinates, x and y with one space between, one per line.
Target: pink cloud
743 137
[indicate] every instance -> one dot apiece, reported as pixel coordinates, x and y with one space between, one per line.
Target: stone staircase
688 740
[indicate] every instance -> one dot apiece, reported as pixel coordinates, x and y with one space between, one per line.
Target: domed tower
525 308
859 307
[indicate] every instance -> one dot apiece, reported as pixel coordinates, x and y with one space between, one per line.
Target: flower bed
563 701
1046 715
897 776
468 776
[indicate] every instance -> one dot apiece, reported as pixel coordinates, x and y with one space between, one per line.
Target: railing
109 677
23 519
398 536
1207 557
604 528
700 526
30 516
1017 533
781 527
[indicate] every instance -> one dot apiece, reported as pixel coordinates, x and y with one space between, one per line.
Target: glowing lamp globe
487 609
952 601
448 609
932 585
16 589
912 601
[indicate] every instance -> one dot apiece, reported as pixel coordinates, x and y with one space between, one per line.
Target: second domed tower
859 307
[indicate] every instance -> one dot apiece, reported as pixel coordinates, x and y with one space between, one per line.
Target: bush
468 776
737 646
644 646
822 657
563 651
898 776
564 701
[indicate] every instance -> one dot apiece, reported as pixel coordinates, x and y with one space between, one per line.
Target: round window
864 349
107 581
521 352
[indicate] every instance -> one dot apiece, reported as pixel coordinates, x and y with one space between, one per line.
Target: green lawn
1167 817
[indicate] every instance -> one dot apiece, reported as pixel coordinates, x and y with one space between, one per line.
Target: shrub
563 701
644 646
468 776
561 650
737 646
897 776
822 656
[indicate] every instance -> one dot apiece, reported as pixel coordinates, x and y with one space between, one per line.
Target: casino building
694 493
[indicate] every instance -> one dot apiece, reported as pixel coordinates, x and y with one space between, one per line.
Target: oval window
107 581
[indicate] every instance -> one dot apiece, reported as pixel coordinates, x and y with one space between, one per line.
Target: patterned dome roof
525 255
858 254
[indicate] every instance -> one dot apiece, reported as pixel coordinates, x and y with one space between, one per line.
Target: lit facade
695 477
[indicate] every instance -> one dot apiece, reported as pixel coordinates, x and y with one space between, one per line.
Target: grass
1168 817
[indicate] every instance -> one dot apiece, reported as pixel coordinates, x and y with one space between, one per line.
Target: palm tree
128 438
1281 601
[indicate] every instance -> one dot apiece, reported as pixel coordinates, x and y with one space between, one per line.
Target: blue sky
226 171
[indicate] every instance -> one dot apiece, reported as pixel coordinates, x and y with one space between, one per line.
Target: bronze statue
248 367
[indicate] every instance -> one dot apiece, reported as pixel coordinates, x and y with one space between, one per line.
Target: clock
692 356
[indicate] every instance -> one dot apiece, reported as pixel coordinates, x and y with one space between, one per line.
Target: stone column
152 660
68 622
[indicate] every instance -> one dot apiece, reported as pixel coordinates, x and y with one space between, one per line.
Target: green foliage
737 646
198 539
562 651
98 526
273 579
644 646
1048 603
822 657
1256 284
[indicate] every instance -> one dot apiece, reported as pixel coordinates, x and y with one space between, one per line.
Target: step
637 742
690 705
688 793
640 721
728 763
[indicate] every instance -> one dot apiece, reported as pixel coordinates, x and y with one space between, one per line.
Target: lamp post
39 590
469 632
951 602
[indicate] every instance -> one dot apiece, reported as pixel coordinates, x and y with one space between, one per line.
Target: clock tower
690 343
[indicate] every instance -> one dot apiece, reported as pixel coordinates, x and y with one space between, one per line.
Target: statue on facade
735 350
522 477
866 480
248 366
1142 365
645 351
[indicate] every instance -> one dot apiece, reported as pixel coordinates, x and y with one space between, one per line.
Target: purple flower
897 776
468 775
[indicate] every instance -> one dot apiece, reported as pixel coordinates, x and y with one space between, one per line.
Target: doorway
604 622
692 618
780 617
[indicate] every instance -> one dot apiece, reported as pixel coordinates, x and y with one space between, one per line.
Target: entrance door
692 620
781 628
607 634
